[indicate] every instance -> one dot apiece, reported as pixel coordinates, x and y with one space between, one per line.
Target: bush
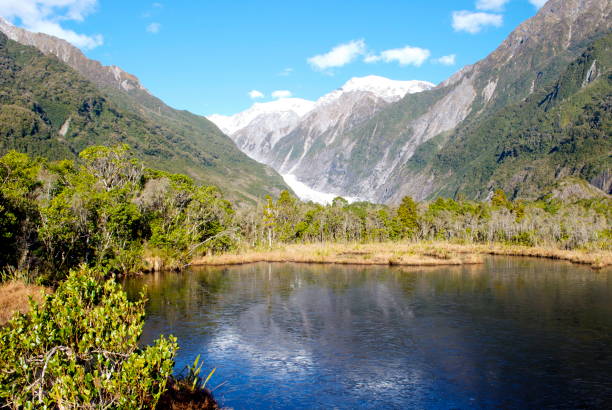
78 349
523 238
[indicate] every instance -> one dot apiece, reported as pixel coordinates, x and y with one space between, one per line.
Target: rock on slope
66 52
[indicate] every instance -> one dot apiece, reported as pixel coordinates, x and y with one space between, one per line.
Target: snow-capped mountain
265 130
232 123
259 128
385 88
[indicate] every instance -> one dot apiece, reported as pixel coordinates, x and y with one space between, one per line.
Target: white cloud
153 28
282 94
256 94
491 5
447 60
153 10
474 22
404 56
45 16
286 72
338 56
538 3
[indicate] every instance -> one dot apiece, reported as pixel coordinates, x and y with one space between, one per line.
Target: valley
345 235
377 139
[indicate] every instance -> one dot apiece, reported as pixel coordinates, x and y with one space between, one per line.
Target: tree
287 216
499 199
113 167
185 218
269 218
407 216
18 208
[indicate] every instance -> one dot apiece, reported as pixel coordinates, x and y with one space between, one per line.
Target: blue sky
206 56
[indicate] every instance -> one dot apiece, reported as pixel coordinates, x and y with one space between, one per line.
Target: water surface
512 333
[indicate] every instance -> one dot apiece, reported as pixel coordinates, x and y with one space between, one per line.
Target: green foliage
567 224
18 185
408 217
499 199
193 378
522 146
186 219
523 238
79 348
104 211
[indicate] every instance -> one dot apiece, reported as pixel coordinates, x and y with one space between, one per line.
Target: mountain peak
299 106
294 107
390 90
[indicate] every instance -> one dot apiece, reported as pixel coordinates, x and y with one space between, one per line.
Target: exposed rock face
350 144
322 138
370 159
532 55
292 135
94 71
256 130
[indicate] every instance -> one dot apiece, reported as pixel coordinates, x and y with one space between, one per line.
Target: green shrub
523 238
78 348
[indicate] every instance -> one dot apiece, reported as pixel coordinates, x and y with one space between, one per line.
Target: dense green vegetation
107 210
548 221
104 210
49 110
79 349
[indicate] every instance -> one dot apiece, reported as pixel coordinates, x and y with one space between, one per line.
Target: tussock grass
402 253
14 297
596 259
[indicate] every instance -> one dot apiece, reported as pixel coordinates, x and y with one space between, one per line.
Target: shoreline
400 254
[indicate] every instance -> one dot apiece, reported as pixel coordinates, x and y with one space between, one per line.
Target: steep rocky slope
175 140
448 140
290 132
563 129
256 130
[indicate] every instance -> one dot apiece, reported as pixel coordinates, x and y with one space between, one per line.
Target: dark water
513 333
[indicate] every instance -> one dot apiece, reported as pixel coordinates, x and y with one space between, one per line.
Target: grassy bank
15 296
405 254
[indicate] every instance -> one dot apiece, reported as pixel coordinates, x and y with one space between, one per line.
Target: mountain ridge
200 149
258 132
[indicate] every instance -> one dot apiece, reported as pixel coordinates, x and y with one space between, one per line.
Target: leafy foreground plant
78 349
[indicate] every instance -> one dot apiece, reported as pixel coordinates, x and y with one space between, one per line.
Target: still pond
512 333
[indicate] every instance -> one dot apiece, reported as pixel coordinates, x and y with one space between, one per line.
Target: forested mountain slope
564 129
64 111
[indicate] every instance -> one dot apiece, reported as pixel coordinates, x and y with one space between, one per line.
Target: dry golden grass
597 259
405 254
349 254
14 297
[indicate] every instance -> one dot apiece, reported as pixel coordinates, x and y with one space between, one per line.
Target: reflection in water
511 333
